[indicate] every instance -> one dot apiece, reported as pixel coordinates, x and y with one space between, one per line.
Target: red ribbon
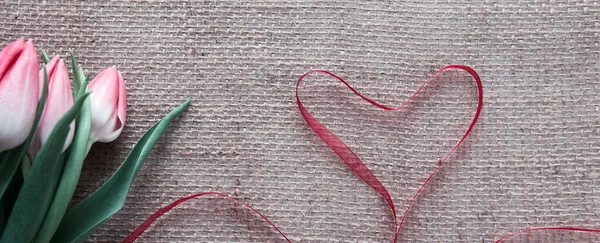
144 226
356 164
572 229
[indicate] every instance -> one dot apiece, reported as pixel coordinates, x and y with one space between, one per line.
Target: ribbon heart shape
356 164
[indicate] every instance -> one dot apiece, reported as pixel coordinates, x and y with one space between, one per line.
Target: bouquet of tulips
48 124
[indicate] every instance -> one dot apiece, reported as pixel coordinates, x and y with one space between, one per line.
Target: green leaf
45 57
2 217
83 219
12 158
86 79
38 189
9 166
10 195
76 75
70 175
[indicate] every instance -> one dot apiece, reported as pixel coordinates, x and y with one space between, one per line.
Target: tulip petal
59 101
50 67
9 54
108 105
18 97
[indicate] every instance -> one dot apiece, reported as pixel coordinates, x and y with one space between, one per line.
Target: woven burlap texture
532 160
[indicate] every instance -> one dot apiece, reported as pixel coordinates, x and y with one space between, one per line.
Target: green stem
25 165
89 146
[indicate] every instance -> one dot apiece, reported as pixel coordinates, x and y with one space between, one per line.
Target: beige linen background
532 160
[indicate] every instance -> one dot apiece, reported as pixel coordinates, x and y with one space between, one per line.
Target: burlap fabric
533 160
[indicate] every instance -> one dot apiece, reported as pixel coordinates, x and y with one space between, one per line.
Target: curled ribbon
356 164
146 224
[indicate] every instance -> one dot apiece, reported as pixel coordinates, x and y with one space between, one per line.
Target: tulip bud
58 101
19 87
107 105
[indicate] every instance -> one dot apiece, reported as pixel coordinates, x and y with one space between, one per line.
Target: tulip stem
89 146
25 165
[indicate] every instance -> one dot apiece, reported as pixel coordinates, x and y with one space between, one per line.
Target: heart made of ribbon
356 164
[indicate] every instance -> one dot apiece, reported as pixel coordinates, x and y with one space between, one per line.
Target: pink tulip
19 87
58 101
107 105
